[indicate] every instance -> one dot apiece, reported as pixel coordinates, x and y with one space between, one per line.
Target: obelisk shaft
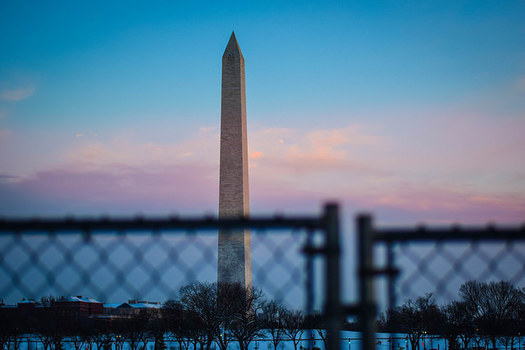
234 263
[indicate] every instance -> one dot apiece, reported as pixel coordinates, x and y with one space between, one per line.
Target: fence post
333 303
366 281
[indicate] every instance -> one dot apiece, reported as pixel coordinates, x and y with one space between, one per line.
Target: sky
413 111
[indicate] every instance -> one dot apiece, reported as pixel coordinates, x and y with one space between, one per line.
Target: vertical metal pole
333 303
391 285
309 285
366 285
391 278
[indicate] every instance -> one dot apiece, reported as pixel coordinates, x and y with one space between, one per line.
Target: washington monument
234 263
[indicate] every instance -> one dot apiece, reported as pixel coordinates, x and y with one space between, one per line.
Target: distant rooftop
78 298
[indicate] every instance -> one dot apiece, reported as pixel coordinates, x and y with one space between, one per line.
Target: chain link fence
420 275
146 261
141 258
295 261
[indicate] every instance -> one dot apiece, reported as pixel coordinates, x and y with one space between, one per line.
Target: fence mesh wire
451 257
441 268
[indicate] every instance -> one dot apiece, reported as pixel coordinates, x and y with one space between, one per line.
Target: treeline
204 315
484 315
210 313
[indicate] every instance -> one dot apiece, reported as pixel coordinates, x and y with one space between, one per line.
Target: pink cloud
400 204
201 147
256 155
460 167
452 170
170 189
310 152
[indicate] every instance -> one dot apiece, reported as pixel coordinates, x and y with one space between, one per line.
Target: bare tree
157 329
409 319
12 328
103 332
134 330
458 323
118 335
237 309
316 321
51 327
173 313
495 307
201 300
273 321
293 326
419 317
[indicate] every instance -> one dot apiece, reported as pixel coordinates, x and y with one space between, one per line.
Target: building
132 308
77 306
234 251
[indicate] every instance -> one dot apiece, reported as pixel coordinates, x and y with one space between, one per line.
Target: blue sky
412 110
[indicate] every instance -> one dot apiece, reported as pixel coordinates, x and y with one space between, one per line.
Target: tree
458 323
103 332
293 326
495 307
134 330
316 321
200 300
12 328
237 309
409 319
173 314
51 327
272 320
76 336
157 329
118 334
419 317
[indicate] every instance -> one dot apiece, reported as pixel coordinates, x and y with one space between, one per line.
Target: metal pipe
366 281
333 303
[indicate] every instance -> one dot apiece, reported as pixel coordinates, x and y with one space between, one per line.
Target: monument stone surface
234 261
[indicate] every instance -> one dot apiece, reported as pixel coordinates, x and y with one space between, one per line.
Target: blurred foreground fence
411 262
294 259
144 258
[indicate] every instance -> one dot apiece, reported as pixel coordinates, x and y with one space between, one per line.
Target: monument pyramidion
234 261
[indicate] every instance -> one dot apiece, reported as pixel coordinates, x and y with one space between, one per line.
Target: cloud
130 190
312 151
17 94
198 148
451 170
400 203
121 174
439 170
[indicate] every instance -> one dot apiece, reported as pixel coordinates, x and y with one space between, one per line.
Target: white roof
85 300
146 306
28 301
112 305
